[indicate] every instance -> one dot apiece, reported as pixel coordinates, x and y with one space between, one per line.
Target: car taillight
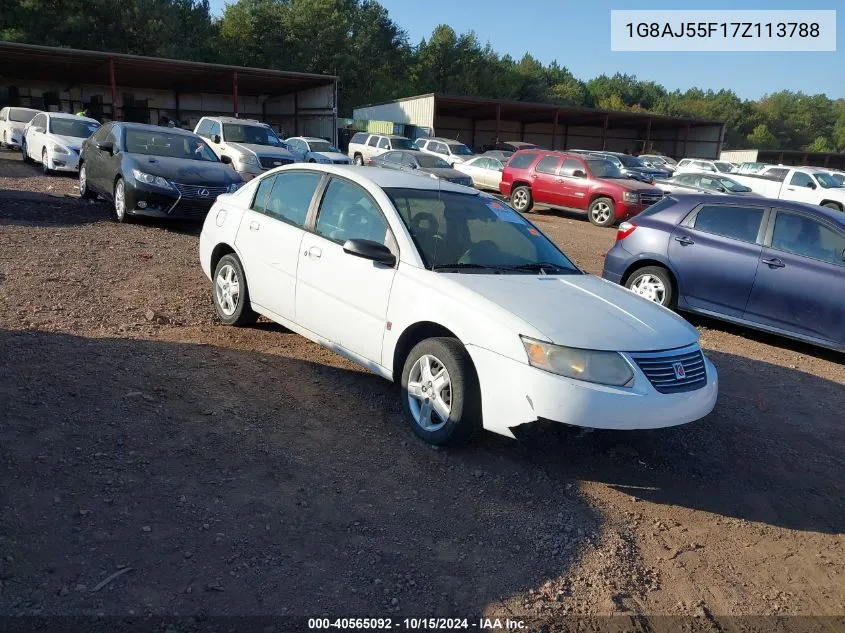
625 229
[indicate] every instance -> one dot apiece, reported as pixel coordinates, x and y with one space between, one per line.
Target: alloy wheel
520 199
601 212
120 200
430 393
82 184
227 289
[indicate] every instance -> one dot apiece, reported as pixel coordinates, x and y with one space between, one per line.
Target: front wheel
231 294
120 202
441 397
653 283
521 199
832 205
24 153
45 165
602 212
84 190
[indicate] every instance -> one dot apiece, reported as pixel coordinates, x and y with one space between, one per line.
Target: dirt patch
252 472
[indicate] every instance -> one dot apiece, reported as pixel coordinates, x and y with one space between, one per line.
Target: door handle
790 189
254 226
315 252
533 175
558 179
684 240
773 262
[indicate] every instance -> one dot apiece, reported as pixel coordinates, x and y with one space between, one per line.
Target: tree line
376 61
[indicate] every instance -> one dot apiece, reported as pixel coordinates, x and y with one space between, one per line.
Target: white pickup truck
812 185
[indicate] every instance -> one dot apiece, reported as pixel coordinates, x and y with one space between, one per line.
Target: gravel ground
249 471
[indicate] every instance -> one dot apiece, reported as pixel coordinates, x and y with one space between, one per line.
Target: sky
576 33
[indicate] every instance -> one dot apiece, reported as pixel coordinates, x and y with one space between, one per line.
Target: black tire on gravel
243 314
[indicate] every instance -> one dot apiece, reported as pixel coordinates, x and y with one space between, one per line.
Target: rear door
800 284
269 238
715 252
545 182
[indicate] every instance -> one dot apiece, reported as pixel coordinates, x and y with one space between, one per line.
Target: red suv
575 181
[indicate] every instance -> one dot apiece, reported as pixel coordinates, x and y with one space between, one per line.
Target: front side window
420 143
522 161
322 146
155 142
204 128
474 233
215 129
291 196
432 162
439 148
601 168
570 166
548 165
78 128
459 149
800 179
739 223
40 121
801 235
384 143
373 142
347 212
402 143
114 138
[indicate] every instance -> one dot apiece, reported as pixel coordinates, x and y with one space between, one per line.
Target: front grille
663 369
193 192
650 197
269 162
191 209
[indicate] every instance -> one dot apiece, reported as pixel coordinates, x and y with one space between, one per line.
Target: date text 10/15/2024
416 624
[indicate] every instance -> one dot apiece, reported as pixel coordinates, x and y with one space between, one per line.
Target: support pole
498 120
565 137
604 132
296 114
722 131
472 138
178 114
235 91
646 148
554 132
113 82
686 140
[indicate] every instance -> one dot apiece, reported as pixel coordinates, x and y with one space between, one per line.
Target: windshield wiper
542 267
473 266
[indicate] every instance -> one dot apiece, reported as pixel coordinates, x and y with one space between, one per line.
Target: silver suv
448 149
363 146
251 147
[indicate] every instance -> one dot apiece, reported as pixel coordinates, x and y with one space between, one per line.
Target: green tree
762 138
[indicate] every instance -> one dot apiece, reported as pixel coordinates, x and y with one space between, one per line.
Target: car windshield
601 168
723 167
840 178
251 134
459 149
172 145
827 181
21 115
322 146
631 161
668 160
458 232
733 185
431 162
402 143
79 128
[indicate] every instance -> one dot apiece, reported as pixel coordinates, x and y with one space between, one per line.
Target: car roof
65 115
441 139
384 178
232 119
833 215
154 128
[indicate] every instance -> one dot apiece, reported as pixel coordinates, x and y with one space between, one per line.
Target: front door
341 297
801 188
715 254
269 239
800 284
545 182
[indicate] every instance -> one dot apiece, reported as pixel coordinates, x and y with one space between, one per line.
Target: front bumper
514 393
154 202
625 210
64 162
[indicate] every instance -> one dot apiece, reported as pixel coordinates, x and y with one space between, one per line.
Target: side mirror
367 249
226 159
579 173
105 146
721 190
215 138
811 185
413 166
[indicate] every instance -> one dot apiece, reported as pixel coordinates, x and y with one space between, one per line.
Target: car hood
456 158
332 156
630 184
447 173
183 170
71 142
262 150
583 311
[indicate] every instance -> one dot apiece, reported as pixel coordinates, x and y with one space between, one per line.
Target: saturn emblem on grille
203 193
680 372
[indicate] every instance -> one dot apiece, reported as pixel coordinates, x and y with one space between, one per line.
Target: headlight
605 368
149 179
59 149
248 159
234 187
631 196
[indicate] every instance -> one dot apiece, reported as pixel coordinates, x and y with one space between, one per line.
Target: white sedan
12 124
485 171
454 295
54 139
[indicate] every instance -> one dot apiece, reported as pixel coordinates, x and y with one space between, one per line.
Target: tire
460 397
45 165
84 190
311 160
653 283
521 199
832 205
358 160
25 156
119 202
237 311
602 212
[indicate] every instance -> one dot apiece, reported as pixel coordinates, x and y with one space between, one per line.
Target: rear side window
739 223
548 165
358 138
349 213
291 196
522 161
259 203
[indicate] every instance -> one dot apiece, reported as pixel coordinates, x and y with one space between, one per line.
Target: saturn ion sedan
483 321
